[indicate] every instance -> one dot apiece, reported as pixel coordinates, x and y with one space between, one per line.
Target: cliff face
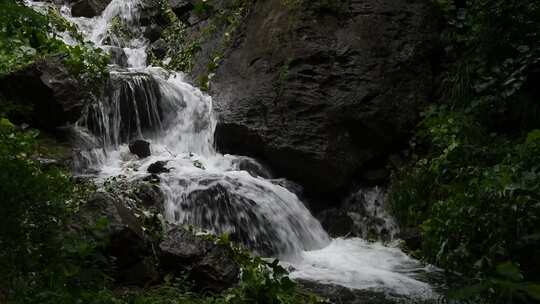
321 90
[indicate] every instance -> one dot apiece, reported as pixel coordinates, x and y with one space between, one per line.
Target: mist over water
205 188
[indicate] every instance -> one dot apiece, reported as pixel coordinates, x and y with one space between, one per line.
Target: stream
220 193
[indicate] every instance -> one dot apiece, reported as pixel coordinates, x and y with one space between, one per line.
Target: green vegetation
27 36
473 185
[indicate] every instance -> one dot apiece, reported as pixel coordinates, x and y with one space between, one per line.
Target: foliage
40 262
497 45
472 186
26 36
505 286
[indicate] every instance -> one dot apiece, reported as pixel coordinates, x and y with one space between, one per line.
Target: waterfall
221 193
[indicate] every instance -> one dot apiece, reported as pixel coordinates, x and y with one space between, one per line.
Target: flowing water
205 188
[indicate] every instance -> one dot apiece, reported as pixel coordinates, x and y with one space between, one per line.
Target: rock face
89 8
322 90
209 265
56 97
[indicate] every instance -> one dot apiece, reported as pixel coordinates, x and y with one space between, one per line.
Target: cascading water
207 189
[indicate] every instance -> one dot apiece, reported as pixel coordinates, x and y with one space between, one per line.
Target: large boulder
128 243
47 86
320 90
209 265
89 8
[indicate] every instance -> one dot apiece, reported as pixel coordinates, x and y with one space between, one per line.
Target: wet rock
47 86
159 48
140 148
336 222
158 167
118 56
227 207
339 294
208 264
327 91
363 214
150 196
253 167
89 8
289 185
138 108
153 33
412 238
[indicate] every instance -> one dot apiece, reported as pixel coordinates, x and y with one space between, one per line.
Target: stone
181 7
89 8
336 222
150 196
159 48
209 265
340 294
158 167
118 56
253 167
320 93
128 243
412 238
140 148
55 96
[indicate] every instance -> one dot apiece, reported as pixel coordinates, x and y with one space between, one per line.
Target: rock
118 56
56 97
181 7
150 196
208 264
289 185
89 8
322 91
253 167
412 238
339 294
336 222
374 177
153 33
159 49
128 243
363 214
216 206
136 98
140 148
158 167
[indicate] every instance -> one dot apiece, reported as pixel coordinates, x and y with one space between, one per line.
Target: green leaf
533 136
510 271
532 290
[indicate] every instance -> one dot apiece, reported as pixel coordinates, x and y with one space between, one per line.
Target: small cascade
267 218
221 193
131 109
369 213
